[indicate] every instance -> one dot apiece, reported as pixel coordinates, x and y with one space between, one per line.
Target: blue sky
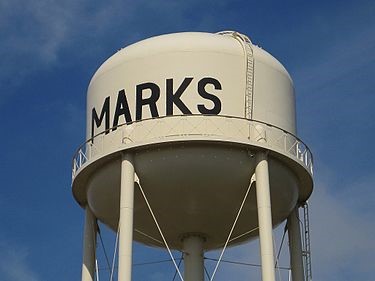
49 51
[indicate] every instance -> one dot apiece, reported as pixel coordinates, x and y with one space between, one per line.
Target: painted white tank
193 108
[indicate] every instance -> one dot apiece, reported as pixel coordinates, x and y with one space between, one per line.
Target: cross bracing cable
153 262
281 245
158 226
274 252
232 228
279 251
179 263
114 254
144 263
97 269
243 263
148 236
205 270
103 247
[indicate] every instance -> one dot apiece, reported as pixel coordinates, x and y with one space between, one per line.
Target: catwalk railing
186 127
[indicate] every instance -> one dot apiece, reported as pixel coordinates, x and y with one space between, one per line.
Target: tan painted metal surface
184 99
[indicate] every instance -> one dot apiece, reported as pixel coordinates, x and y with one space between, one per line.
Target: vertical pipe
126 218
295 246
193 258
89 246
264 217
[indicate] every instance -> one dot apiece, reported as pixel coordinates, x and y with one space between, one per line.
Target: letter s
204 94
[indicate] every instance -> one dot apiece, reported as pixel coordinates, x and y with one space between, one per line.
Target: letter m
97 121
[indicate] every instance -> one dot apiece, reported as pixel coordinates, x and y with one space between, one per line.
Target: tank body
180 103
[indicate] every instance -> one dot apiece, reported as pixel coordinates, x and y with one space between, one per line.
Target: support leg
89 246
193 258
264 217
295 246
126 218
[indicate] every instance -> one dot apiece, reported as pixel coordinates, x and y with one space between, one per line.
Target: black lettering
203 93
98 120
122 108
151 101
174 98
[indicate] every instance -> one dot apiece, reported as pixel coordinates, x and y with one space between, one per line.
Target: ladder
247 46
306 251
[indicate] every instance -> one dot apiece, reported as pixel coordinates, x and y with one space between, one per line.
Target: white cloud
36 33
14 264
33 29
33 33
342 232
39 35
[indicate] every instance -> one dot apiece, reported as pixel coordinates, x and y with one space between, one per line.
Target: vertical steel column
193 258
126 218
264 217
295 246
89 246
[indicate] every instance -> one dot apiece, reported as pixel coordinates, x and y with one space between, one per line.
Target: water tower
190 138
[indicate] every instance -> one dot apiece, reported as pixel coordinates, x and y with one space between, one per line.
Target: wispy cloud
33 30
33 34
15 264
339 59
37 36
342 230
41 32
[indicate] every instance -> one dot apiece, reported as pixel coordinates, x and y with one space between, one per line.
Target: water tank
193 109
